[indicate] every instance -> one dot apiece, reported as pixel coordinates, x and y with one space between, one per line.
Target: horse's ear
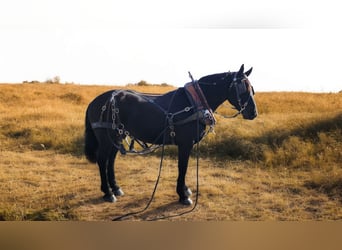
241 70
248 72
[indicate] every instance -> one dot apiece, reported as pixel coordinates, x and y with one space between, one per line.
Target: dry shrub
330 183
72 97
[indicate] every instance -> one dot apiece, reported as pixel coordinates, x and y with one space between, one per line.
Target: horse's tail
91 143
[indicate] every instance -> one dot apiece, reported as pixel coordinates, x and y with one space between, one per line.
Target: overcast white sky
293 45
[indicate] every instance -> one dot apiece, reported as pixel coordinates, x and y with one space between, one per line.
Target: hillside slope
284 165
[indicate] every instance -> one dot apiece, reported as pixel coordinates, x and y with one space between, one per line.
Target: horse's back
141 116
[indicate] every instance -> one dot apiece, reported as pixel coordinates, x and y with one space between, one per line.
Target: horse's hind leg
109 187
106 158
111 174
103 160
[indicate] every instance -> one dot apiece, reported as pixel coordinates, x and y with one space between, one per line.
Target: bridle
241 86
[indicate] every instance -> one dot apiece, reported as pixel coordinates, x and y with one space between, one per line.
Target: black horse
173 118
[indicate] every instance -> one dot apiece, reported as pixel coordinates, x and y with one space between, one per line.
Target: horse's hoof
186 201
109 198
119 192
188 192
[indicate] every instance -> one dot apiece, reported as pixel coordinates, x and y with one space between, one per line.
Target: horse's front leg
183 158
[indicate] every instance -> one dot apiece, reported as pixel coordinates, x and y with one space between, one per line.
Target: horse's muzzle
249 115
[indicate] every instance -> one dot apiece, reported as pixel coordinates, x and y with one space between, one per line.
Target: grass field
284 165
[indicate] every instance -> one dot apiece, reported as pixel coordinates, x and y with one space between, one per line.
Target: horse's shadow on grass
163 212
136 211
94 201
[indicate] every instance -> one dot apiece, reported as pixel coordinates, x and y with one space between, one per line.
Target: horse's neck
214 96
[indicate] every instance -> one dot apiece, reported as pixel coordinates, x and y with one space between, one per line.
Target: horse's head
241 93
232 86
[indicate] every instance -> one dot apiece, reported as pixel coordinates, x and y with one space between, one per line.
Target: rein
119 218
232 116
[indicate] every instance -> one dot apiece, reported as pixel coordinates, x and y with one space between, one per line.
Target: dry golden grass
284 165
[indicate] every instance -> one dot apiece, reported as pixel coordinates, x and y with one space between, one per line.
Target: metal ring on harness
121 128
